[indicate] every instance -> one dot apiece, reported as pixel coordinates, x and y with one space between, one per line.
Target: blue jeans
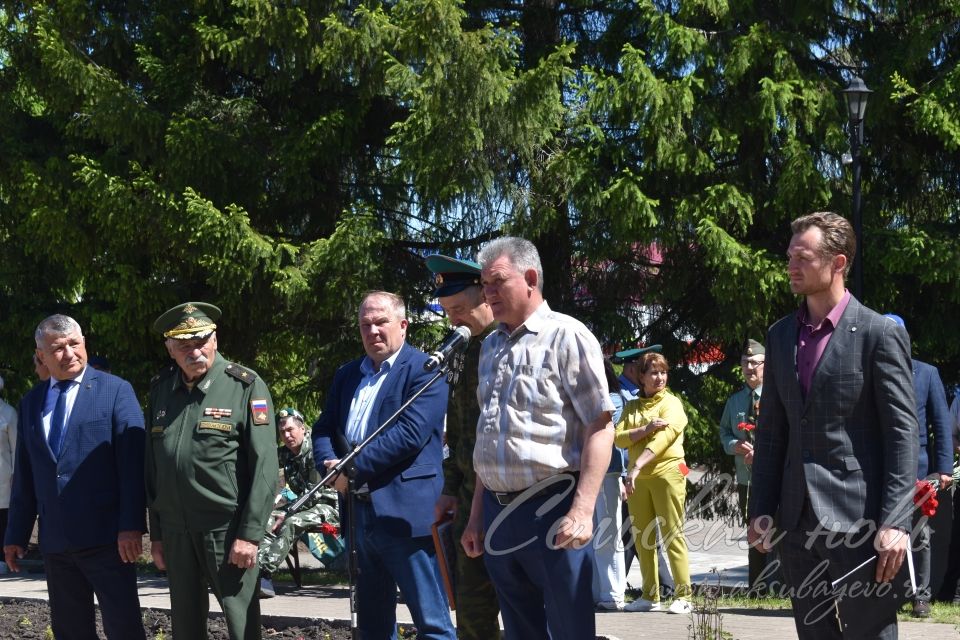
386 562
609 570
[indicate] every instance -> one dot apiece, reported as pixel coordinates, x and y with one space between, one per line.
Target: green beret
753 348
452 275
187 321
632 355
290 412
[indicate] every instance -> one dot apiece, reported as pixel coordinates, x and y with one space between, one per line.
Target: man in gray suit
835 455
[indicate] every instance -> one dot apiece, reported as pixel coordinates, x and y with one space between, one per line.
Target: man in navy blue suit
398 475
936 457
79 465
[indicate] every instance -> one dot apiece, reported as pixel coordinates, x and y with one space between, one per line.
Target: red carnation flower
925 497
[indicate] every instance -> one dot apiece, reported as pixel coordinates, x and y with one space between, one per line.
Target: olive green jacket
211 459
463 412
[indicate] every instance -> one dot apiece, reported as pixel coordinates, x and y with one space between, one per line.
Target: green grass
321 577
944 612
744 602
941 612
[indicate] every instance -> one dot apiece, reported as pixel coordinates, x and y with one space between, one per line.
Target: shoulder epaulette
247 376
163 373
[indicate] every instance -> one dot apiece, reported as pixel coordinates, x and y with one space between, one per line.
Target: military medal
218 413
456 368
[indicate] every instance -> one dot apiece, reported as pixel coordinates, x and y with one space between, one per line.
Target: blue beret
896 319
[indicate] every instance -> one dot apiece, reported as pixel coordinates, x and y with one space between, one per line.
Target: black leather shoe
921 609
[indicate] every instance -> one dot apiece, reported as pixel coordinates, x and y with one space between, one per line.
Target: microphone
456 341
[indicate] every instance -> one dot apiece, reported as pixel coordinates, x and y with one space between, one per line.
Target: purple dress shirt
812 341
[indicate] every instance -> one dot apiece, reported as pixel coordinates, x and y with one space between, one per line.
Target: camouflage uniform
300 475
476 599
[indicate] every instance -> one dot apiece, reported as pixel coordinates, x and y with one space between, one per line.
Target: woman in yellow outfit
651 429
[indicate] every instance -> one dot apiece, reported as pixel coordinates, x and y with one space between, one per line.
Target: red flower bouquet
748 425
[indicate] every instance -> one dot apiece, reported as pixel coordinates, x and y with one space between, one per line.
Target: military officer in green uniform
211 475
459 293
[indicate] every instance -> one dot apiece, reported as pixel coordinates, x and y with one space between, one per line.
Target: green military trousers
196 560
477 607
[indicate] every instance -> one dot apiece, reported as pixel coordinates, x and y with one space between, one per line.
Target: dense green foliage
278 159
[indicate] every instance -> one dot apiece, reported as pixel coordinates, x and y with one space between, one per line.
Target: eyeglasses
752 364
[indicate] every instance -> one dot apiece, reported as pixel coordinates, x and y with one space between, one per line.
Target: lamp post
856 95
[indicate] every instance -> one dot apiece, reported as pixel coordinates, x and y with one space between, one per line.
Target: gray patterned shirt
540 387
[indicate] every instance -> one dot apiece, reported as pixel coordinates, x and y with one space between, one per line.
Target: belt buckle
503 498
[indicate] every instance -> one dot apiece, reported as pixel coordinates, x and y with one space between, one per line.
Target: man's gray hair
393 302
56 325
522 254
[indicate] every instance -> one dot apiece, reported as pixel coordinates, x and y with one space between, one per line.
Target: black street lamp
856 95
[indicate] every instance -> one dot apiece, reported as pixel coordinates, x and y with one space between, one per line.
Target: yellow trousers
662 498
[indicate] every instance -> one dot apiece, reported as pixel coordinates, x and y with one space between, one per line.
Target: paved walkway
331 603
717 554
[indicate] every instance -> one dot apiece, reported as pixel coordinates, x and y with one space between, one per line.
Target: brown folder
444 545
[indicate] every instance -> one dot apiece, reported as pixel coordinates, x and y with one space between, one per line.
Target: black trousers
4 515
950 589
756 561
858 609
72 580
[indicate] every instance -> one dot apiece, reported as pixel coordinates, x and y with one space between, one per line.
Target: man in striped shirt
544 439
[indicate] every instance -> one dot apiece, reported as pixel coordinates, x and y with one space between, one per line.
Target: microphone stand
345 465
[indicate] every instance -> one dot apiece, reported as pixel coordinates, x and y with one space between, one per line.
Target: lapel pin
853 329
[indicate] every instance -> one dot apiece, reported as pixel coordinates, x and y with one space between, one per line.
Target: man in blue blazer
399 474
79 467
835 454
936 457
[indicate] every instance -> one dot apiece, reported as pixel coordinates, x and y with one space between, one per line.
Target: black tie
57 421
